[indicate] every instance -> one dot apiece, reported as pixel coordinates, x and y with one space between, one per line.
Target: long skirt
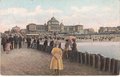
7 47
56 63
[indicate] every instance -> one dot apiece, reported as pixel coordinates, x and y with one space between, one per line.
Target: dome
31 24
16 29
53 19
61 24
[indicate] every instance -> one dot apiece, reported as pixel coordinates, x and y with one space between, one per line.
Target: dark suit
3 42
15 41
45 44
74 52
51 43
28 42
38 42
11 41
20 41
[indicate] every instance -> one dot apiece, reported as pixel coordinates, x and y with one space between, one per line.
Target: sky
89 13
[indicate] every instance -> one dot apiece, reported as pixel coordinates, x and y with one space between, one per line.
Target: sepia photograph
59 37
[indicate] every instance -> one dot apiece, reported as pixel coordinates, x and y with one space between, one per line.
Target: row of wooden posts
94 60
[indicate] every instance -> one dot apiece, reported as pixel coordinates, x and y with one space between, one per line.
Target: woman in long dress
56 62
66 49
7 46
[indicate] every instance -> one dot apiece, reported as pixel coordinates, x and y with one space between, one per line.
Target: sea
107 49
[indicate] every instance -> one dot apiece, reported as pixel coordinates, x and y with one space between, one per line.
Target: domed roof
16 29
61 24
53 19
31 24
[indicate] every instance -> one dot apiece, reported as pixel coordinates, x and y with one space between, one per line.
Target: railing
94 60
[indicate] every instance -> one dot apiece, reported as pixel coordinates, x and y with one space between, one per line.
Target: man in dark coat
28 39
20 41
11 41
51 43
74 46
3 42
38 42
45 44
15 41
74 51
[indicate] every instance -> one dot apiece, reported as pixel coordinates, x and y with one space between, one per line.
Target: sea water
107 49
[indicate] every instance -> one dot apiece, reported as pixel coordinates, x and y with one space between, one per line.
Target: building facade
109 29
54 26
89 31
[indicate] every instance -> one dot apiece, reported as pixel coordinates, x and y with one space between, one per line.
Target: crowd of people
13 42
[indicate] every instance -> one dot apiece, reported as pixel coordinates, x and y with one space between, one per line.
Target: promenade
26 61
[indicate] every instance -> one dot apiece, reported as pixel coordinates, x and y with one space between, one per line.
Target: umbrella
70 38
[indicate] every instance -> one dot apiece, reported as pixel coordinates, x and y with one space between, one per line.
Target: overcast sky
90 13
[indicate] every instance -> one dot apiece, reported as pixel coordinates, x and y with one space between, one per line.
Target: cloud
53 10
83 9
92 16
89 16
11 17
14 11
25 12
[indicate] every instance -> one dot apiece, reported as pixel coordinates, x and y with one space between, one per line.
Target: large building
54 26
109 29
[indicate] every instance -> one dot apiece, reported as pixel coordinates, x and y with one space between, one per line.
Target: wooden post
116 68
81 59
104 64
112 65
93 64
107 64
85 57
96 61
78 57
88 59
91 59
100 62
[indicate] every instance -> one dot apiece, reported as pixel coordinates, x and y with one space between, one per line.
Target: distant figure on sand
56 62
7 46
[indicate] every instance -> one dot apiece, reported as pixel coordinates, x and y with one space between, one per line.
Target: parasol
70 38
